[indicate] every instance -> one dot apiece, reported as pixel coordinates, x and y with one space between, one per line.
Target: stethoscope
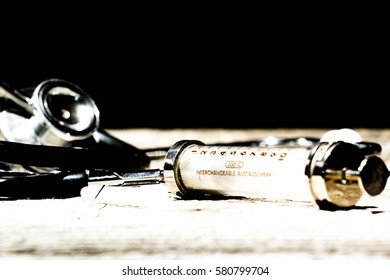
56 126
53 145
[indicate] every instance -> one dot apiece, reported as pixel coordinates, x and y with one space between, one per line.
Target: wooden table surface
147 223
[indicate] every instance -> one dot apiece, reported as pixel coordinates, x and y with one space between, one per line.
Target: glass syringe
331 174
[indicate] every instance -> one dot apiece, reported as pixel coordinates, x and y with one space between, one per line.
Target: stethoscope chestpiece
61 112
65 110
56 126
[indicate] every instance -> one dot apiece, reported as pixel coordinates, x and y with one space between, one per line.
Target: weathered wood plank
147 223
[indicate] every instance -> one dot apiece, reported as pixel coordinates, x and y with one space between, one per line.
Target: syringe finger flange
172 172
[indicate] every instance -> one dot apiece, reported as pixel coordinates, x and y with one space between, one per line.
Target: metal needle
142 177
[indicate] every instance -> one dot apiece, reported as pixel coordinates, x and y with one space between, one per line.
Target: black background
223 78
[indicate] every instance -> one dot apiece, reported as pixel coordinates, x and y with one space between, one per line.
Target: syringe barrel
193 169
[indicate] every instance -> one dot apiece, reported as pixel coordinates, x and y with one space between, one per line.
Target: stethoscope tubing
118 156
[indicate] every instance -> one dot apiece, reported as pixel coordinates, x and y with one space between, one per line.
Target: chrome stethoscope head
56 126
57 113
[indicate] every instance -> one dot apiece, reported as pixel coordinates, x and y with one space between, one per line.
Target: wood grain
148 223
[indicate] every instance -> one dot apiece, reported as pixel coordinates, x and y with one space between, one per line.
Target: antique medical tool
331 174
53 134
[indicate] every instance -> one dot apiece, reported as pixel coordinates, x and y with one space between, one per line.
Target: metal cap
339 174
373 175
